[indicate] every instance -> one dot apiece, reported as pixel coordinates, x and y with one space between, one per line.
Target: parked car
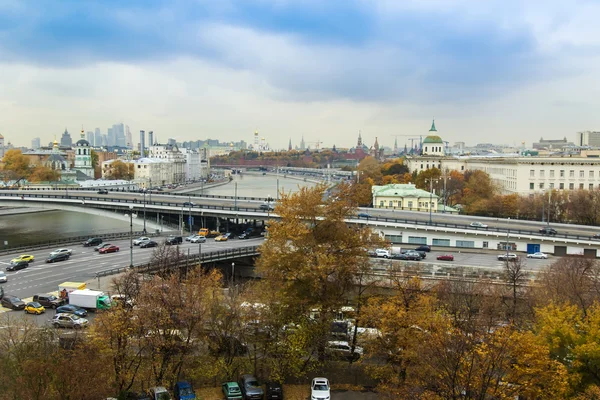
159 393
267 207
250 387
24 257
183 391
414 255
400 256
509 256
223 237
537 254
231 391
101 246
189 204
445 257
548 231
477 225
148 243
3 277
49 300
173 240
92 242
13 302
110 249
71 309
33 307
343 350
319 389
62 251
69 321
363 215
274 391
424 248
102 191
596 236
138 241
17 266
189 238
58 257
198 239
382 253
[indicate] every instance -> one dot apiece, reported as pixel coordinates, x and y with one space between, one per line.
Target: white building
170 153
588 138
192 164
150 172
83 157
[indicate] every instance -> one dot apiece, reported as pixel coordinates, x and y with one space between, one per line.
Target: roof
82 142
433 139
433 127
400 190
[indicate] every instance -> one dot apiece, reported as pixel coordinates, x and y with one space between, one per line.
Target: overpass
399 227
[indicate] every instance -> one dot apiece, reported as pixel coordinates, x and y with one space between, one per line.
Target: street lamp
431 199
232 272
235 196
144 211
190 213
131 236
507 237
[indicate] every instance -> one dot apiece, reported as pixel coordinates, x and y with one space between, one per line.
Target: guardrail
125 203
71 240
212 256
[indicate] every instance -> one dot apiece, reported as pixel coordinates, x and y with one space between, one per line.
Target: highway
40 277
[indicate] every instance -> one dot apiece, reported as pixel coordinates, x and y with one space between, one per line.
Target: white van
382 253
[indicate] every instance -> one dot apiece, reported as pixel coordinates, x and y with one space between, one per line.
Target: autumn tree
479 189
121 170
16 162
42 173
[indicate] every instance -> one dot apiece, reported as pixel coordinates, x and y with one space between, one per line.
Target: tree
15 161
515 275
121 170
42 173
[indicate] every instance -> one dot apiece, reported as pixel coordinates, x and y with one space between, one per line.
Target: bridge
399 227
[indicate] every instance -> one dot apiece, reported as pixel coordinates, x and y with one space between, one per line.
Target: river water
29 228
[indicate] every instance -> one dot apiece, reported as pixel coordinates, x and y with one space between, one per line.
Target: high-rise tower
142 143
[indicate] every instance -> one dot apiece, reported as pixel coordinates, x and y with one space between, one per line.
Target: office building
151 138
97 137
588 138
36 143
142 144
65 140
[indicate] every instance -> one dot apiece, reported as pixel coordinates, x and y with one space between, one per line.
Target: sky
494 71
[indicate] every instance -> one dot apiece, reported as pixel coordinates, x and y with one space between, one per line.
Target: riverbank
22 210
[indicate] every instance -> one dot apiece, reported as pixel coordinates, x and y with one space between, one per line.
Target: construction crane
317 143
412 139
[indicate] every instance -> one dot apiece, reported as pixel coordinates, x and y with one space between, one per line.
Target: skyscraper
128 137
110 137
151 138
65 140
119 133
36 143
90 137
97 137
142 143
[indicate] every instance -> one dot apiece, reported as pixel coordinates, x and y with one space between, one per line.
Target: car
343 350
148 243
596 236
400 256
33 307
363 215
231 391
189 238
62 251
198 239
24 257
507 257
101 246
71 309
250 387
138 241
49 300
3 277
382 253
68 321
477 225
424 248
274 391
267 207
159 393
537 254
548 231
319 389
57 257
445 257
92 242
415 255
13 302
109 249
223 237
17 266
184 390
173 240
102 191
189 204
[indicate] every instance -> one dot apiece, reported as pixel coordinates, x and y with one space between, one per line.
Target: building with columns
83 157
172 154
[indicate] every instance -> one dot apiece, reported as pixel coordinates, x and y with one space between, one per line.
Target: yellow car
24 257
34 308
223 237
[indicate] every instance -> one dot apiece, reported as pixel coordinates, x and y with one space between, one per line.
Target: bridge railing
211 256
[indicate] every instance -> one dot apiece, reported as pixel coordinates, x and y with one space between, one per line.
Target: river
29 228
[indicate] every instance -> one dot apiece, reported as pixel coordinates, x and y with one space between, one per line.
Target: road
40 277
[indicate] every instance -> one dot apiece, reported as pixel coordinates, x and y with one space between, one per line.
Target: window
571 174
532 173
485 245
542 173
562 173
571 186
391 203
581 186
541 185
561 186
462 167
552 186
394 238
465 243
381 203
441 242
417 240
582 174
551 173
591 186
410 204
591 174
531 186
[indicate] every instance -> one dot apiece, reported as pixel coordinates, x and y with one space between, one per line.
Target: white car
382 253
3 277
319 389
478 225
509 256
138 241
537 254
61 251
198 239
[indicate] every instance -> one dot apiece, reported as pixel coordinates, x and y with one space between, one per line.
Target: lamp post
144 211
548 219
190 213
235 196
431 200
130 236
507 238
232 272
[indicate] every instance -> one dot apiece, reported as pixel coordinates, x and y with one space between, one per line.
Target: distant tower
151 138
302 144
83 157
376 145
290 145
359 143
433 127
142 143
256 144
396 146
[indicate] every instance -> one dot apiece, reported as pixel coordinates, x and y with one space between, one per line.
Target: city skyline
494 72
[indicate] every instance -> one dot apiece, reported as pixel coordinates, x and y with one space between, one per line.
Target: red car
446 257
109 249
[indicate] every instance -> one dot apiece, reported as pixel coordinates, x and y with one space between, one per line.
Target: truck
67 287
208 233
89 299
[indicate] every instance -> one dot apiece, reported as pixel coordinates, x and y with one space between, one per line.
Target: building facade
83 157
404 197
170 153
588 138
